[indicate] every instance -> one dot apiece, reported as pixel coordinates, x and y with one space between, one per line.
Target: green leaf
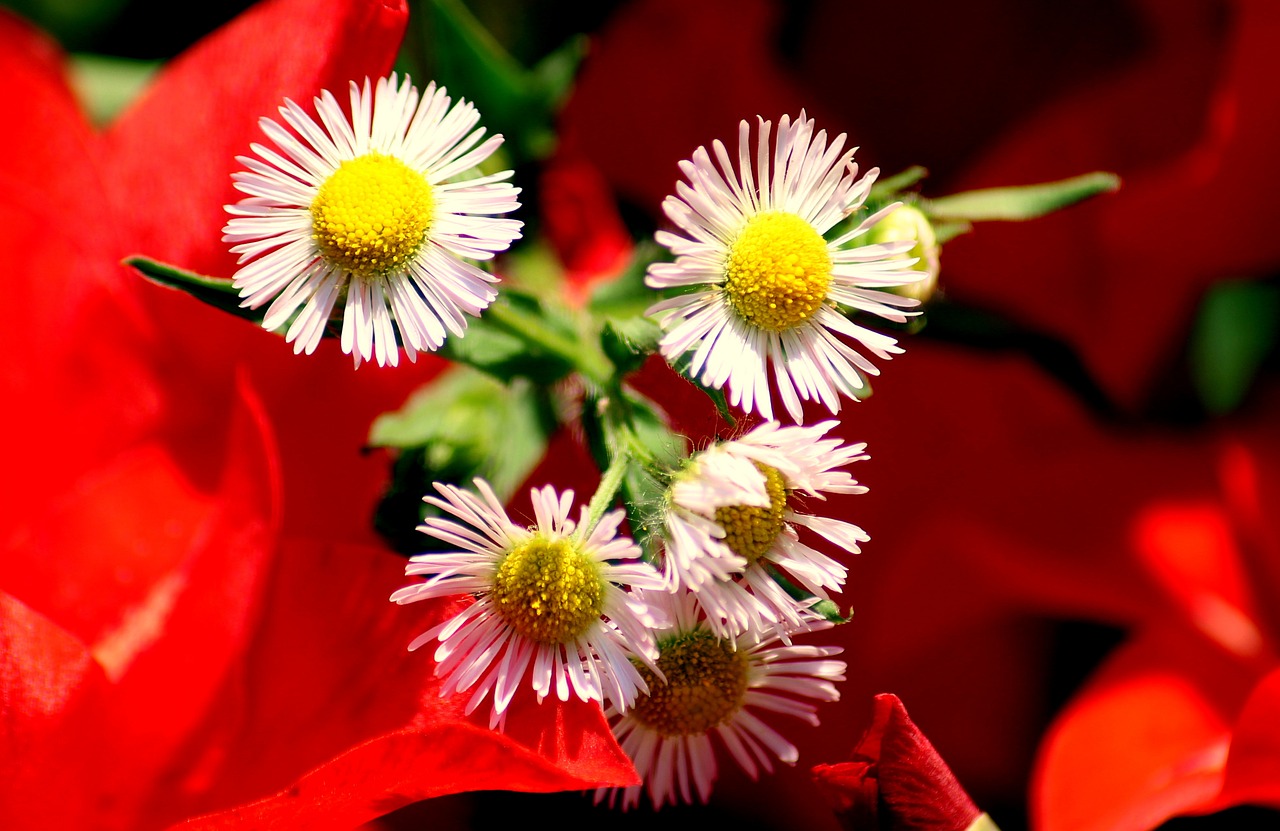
489 343
629 341
519 337
215 291
1022 202
1234 331
465 424
518 102
626 295
887 190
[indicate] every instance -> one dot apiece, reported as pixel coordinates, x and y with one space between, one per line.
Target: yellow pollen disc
548 590
778 271
705 687
371 214
749 531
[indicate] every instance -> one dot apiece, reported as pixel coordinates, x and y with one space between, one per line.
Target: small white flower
549 602
731 518
372 212
762 282
716 687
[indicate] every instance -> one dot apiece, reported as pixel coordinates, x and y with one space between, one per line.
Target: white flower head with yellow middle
549 601
378 212
713 689
731 519
761 283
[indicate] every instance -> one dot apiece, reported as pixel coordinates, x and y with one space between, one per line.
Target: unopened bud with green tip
909 223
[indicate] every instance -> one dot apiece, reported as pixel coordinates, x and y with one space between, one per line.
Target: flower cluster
370 221
640 517
692 646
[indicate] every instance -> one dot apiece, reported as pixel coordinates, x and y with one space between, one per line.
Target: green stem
610 482
590 363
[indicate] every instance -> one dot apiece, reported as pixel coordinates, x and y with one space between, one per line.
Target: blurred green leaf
463 425
887 189
105 85
1022 202
1233 333
491 346
520 103
74 23
626 295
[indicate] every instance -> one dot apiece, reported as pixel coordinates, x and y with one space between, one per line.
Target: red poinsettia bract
1182 719
193 617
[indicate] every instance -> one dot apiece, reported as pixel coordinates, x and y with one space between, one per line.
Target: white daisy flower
731 520
761 282
711 686
548 601
372 212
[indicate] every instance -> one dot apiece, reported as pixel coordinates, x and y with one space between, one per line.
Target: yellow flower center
750 531
778 271
705 687
372 214
548 590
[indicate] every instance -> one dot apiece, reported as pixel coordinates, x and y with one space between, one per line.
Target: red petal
1253 763
582 223
1145 741
53 218
896 781
163 580
334 722
51 692
1192 123
172 152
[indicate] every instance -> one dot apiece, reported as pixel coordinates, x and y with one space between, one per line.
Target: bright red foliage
193 615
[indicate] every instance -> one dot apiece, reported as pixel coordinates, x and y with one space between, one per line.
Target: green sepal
629 341
644 486
1021 202
1235 330
463 425
517 102
947 231
214 291
631 424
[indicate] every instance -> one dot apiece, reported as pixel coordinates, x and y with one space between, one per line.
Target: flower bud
910 223
896 781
